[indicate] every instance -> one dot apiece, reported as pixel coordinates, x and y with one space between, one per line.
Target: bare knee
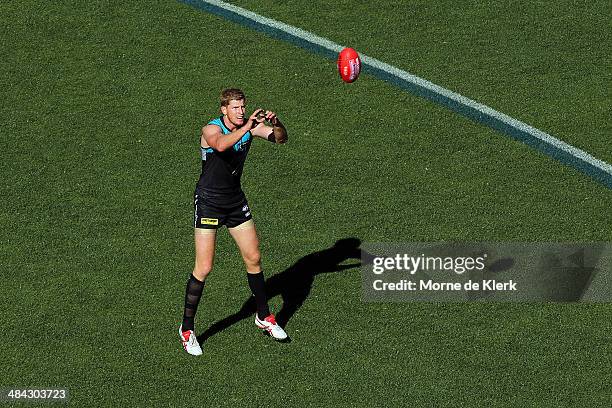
201 270
252 260
204 254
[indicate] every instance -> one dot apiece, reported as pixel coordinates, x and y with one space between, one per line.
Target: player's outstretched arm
217 140
275 134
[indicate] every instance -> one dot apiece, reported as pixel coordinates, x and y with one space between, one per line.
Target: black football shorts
212 214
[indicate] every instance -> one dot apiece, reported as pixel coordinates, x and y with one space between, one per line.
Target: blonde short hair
231 94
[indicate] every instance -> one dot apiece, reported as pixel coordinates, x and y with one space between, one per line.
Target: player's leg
206 220
247 241
204 255
204 240
246 238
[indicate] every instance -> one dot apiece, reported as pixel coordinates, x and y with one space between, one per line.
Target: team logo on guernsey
243 143
209 221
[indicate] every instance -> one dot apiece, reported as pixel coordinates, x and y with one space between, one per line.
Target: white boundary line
517 124
424 84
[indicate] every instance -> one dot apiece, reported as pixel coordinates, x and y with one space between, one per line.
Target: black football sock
192 299
258 287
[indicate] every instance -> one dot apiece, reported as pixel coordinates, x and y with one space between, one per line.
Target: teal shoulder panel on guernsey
219 122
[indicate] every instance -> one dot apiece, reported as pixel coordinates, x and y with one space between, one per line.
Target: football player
219 200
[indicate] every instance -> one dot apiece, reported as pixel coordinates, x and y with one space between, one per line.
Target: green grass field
102 104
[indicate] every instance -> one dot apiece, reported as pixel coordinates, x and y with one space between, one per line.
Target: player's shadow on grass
295 283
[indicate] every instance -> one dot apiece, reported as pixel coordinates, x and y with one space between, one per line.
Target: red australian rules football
349 65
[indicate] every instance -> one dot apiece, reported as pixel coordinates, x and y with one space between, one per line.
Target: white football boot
190 342
269 325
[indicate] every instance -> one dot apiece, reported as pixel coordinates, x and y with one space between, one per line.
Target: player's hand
271 117
256 118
